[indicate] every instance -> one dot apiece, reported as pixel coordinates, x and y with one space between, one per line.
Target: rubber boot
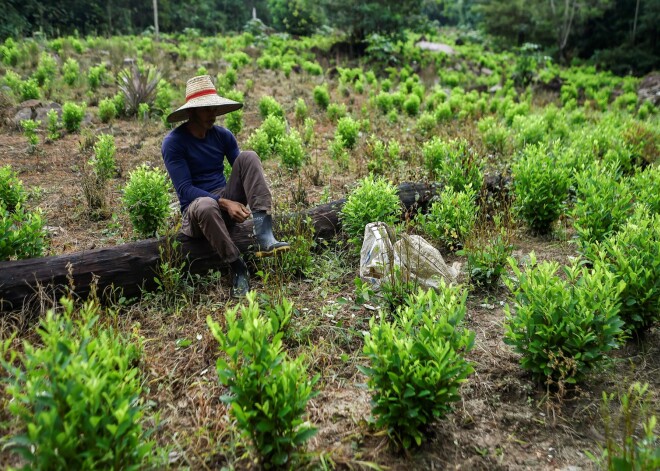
241 283
267 245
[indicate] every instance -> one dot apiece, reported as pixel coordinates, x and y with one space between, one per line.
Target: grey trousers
246 185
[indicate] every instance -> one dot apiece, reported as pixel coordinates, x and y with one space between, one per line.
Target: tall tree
385 17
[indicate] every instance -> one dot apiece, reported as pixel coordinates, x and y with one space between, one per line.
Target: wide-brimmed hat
201 92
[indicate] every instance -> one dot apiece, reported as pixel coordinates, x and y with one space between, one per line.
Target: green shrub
336 111
493 135
107 110
268 106
301 111
298 231
138 87
30 132
450 220
425 124
453 164
22 234
529 130
9 53
562 327
77 395
265 139
631 442
602 204
645 185
96 76
308 130
12 192
234 121
147 200
228 80
71 71
268 391
349 130
540 187
487 258
103 162
382 157
374 199
29 90
291 151
631 254
411 105
321 96
46 69
53 125
312 68
164 97
443 112
72 116
416 363
120 103
385 102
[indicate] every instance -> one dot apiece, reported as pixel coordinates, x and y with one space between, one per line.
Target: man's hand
236 210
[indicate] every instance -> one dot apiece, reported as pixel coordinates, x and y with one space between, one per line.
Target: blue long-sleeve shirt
196 166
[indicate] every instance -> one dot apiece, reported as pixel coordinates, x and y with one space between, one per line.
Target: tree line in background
621 35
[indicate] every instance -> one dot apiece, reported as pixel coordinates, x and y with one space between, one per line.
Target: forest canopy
621 35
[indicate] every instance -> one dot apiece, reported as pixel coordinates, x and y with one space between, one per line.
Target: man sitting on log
194 154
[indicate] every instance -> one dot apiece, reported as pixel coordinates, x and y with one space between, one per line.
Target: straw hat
200 92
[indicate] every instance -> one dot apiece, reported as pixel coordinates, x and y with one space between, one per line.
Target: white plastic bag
380 256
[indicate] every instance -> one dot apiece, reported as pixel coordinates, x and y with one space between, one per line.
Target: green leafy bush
603 203
107 110
540 187
453 164
425 124
312 68
321 96
631 442
12 192
411 105
46 69
265 139
22 234
416 363
349 130
291 151
384 102
30 127
77 395
71 71
383 157
374 199
29 90
268 106
147 200
493 134
645 185
562 326
298 231
72 116
96 76
487 257
103 162
631 254
336 111
301 110
53 126
269 392
450 220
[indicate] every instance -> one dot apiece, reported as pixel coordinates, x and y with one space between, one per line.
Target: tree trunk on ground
132 267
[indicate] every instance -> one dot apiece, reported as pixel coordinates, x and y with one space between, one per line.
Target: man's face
203 117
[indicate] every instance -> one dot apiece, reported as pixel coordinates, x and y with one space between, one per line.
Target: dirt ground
504 421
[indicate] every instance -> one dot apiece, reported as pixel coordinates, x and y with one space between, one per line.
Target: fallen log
132 267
